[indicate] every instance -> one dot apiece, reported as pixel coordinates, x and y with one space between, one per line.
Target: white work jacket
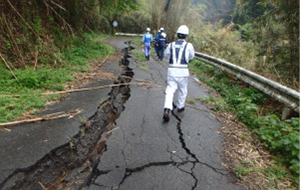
179 54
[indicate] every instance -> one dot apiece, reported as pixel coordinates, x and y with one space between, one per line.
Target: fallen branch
64 21
60 6
48 117
108 132
36 59
83 89
103 62
11 34
140 80
44 188
9 68
5 129
13 96
26 22
95 88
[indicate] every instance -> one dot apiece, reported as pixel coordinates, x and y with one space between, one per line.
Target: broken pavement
123 143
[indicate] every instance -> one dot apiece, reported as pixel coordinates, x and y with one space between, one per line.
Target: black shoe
166 116
181 109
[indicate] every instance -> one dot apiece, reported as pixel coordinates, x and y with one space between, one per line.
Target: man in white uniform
178 53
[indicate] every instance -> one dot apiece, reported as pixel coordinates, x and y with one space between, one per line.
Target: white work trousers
175 83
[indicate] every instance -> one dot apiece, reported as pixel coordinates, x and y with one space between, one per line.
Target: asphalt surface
141 151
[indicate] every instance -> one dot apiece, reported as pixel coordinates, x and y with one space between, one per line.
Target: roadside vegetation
21 89
139 55
258 35
45 44
253 109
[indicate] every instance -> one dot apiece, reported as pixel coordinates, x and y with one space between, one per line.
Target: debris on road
48 117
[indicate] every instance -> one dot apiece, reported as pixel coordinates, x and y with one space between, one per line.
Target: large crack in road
89 162
127 177
82 153
188 151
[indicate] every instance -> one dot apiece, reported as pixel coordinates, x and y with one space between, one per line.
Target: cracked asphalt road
137 151
145 153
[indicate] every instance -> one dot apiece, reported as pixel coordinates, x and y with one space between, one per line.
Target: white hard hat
162 29
148 29
183 29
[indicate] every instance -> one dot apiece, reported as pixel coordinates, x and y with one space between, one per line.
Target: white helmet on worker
162 29
148 29
183 29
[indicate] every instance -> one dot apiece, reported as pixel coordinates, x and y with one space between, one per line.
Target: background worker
156 43
147 39
179 54
162 41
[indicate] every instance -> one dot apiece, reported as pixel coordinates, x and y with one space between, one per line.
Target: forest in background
44 41
259 35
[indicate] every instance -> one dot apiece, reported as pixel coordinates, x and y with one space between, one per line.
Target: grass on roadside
216 103
18 97
139 55
281 138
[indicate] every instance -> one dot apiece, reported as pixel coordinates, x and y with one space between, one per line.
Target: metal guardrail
283 94
130 35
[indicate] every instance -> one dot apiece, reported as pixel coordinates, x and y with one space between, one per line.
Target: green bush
246 112
223 42
254 95
281 137
86 48
43 77
37 25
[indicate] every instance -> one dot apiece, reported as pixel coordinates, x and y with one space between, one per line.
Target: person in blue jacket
147 39
156 43
162 41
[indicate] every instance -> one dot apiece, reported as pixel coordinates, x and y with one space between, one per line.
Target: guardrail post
286 111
